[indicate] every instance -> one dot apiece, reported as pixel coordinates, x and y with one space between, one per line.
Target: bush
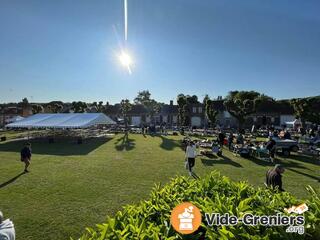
150 219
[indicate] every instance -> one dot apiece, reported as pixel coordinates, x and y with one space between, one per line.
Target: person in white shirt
191 153
7 231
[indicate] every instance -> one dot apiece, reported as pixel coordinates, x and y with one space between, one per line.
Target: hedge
150 219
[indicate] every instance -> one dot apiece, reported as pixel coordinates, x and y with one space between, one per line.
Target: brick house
13 111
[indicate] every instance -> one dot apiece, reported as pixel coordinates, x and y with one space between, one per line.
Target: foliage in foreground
150 219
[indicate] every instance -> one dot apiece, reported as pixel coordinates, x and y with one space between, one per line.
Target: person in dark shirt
26 156
274 178
271 147
287 135
221 137
240 139
230 141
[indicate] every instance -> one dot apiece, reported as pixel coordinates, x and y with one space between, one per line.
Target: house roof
138 109
218 105
169 109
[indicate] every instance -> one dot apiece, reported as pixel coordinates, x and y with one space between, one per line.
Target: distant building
13 111
224 118
168 115
273 113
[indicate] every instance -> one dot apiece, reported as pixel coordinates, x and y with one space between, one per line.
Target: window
194 109
200 110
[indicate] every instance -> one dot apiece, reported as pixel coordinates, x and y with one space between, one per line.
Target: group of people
273 176
310 132
283 134
231 138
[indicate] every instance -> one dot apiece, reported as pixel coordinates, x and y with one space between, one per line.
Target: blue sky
67 50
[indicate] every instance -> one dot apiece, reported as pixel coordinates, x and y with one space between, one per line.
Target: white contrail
125 20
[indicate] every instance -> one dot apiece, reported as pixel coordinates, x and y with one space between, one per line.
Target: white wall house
196 121
136 120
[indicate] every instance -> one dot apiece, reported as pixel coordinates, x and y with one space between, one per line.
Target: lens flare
126 60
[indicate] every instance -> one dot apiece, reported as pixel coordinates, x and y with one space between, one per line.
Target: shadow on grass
194 175
260 162
125 143
61 147
224 160
11 180
287 163
306 159
169 144
304 174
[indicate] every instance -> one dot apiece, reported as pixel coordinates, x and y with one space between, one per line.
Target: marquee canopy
62 120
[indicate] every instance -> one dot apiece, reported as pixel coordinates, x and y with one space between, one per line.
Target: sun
125 59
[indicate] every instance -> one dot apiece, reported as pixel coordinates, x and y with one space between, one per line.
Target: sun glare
125 59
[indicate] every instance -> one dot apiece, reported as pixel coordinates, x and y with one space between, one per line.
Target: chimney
171 102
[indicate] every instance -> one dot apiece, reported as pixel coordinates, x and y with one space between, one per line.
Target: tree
307 109
143 97
182 102
206 97
192 99
240 104
79 107
57 108
314 106
152 106
204 102
211 113
24 103
125 107
100 106
37 108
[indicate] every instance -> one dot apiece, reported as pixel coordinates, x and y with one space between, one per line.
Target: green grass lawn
72 186
14 134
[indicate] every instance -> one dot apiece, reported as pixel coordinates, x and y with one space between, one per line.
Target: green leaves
150 219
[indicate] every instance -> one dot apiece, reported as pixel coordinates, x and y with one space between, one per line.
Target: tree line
240 104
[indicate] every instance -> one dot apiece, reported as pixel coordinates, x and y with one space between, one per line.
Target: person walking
7 231
230 141
191 153
274 178
26 156
271 147
221 138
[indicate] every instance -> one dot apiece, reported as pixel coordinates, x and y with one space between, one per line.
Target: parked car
286 146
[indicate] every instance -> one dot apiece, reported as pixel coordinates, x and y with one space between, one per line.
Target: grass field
72 186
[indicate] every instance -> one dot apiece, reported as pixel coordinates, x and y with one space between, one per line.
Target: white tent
62 120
